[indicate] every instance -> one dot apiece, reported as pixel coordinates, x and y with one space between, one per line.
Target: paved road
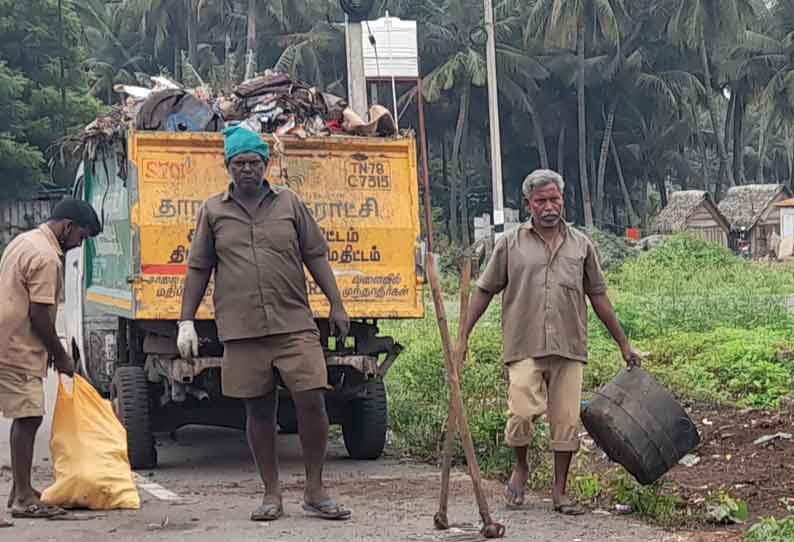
211 474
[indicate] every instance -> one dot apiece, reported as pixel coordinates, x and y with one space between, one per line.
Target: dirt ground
762 475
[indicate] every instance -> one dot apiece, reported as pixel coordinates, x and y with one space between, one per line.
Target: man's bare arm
477 307
44 328
323 275
195 287
606 313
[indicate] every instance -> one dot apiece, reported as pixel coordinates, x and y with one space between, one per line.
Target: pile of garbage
272 103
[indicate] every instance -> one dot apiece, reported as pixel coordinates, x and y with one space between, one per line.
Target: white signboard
395 53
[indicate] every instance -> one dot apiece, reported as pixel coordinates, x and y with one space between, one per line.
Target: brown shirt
31 271
544 310
260 285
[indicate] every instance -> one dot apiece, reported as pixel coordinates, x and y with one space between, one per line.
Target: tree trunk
738 139
760 173
445 172
790 154
250 42
587 206
630 211
644 196
561 150
704 58
192 33
540 137
661 186
177 63
718 184
602 161
460 132
730 114
464 213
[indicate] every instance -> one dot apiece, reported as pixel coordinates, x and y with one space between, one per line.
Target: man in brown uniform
257 238
545 269
31 286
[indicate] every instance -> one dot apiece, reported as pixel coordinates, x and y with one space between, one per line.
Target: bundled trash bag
89 452
176 110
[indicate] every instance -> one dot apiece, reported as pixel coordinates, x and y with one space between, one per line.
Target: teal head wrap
238 140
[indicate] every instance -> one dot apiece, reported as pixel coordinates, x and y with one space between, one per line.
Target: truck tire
130 397
364 427
287 422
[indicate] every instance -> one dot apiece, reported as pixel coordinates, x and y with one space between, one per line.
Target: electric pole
356 11
493 115
356 79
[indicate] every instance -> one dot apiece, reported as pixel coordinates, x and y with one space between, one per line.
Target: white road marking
155 490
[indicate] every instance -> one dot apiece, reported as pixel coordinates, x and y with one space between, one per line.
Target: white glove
187 342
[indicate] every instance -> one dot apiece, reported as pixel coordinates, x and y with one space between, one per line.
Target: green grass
772 530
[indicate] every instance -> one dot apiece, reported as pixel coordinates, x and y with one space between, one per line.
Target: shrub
771 530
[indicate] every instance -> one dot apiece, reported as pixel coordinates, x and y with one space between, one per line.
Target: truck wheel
364 428
287 422
130 397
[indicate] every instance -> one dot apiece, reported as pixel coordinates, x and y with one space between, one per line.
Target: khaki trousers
549 385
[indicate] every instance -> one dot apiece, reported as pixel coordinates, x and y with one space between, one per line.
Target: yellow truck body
363 192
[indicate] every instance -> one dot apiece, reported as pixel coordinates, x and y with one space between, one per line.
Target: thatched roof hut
680 206
695 212
745 205
753 215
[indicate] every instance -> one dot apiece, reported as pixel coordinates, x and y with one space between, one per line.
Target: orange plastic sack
89 451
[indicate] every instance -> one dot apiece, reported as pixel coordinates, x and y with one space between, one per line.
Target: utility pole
62 69
356 78
493 115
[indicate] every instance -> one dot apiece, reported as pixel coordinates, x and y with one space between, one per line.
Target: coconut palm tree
708 27
450 38
169 23
575 24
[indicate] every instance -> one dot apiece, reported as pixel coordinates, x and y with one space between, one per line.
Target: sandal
327 509
5 523
12 497
514 497
267 512
38 511
570 509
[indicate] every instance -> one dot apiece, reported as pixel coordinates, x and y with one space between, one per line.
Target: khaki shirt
544 310
260 285
31 271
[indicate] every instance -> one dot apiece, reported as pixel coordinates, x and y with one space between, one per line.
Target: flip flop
10 502
570 509
514 497
38 511
267 512
327 509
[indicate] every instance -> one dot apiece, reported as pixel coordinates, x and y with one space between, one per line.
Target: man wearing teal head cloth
257 239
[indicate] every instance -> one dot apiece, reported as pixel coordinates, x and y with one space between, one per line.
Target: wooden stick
441 521
490 529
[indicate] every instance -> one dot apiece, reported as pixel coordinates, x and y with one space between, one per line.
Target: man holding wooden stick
545 270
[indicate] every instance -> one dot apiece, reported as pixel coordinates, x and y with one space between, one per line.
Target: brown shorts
248 364
21 395
550 384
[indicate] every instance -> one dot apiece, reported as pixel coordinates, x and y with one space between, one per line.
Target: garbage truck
124 287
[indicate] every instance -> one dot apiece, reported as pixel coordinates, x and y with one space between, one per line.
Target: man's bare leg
563 504
260 429
515 488
23 438
313 431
